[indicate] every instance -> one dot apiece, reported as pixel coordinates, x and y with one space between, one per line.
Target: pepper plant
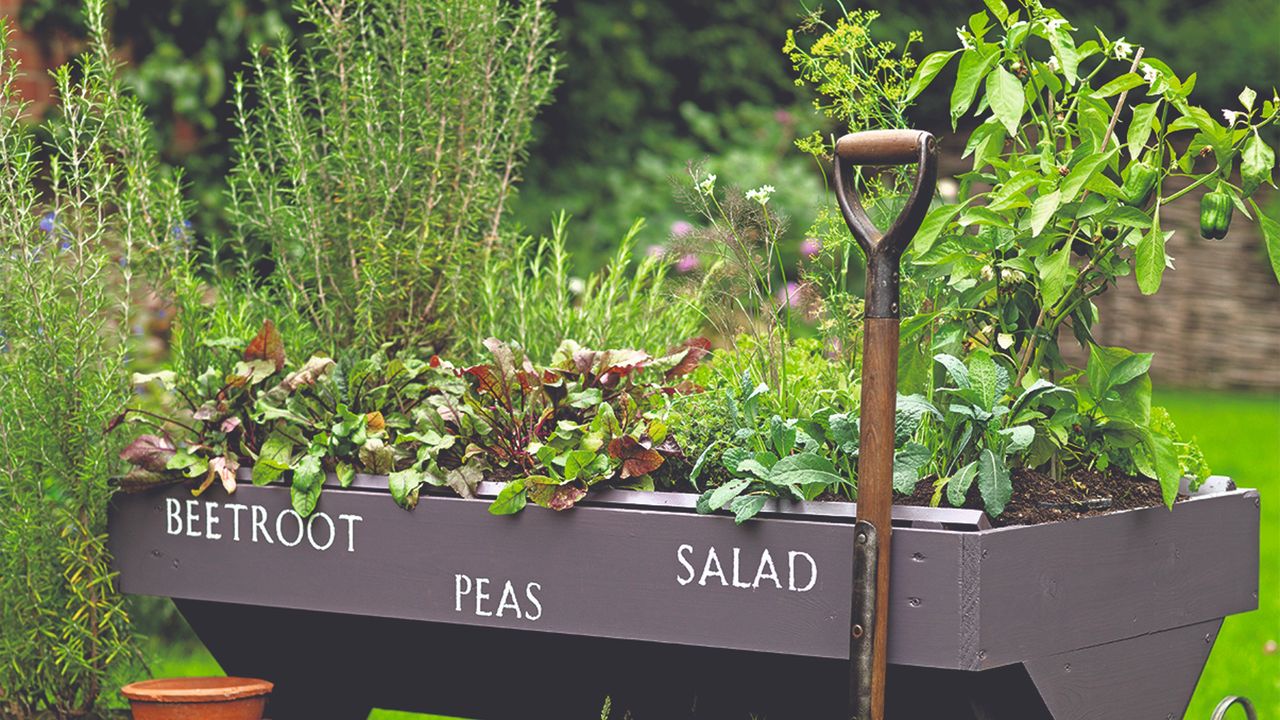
1081 143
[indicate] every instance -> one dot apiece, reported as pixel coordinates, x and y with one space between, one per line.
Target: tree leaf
934 223
510 500
958 486
1042 211
907 464
1064 47
149 452
549 493
1140 127
745 507
1149 259
308 480
956 370
464 480
974 66
345 473
224 467
1007 97
1164 456
1020 438
636 459
927 71
1271 238
274 459
1127 81
266 345
726 492
1082 173
993 483
1055 274
983 378
1256 164
998 9
803 469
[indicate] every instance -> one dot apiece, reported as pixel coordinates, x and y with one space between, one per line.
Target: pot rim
196 689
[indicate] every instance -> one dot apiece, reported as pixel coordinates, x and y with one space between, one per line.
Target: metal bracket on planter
866 548
1220 712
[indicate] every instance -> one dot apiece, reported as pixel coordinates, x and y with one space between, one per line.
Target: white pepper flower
1231 116
708 185
1053 63
1121 50
761 194
1149 74
964 38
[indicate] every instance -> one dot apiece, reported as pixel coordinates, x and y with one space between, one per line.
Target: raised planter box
448 609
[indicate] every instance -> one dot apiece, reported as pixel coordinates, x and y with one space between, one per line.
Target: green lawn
1240 435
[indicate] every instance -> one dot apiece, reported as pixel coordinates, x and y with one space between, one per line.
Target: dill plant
373 166
86 217
532 297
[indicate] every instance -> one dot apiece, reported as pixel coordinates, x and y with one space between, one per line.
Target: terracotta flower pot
198 698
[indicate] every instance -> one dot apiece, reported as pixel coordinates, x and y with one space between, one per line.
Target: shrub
373 167
80 231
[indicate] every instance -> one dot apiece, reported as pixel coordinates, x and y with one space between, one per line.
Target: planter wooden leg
1150 676
311 679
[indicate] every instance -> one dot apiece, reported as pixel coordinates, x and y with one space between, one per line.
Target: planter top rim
196 689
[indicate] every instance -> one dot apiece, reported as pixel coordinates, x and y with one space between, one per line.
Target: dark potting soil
1037 498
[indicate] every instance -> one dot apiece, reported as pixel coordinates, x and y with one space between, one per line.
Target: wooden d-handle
882 147
884 250
869 647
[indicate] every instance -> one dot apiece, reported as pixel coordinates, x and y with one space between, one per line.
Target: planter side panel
624 574
1053 588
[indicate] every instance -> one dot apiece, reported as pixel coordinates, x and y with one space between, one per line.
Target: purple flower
688 263
49 222
656 251
791 295
680 228
782 116
182 231
810 247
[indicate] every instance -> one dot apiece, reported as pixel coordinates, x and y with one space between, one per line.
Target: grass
1240 436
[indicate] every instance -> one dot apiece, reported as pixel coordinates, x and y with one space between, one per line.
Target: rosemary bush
374 166
80 228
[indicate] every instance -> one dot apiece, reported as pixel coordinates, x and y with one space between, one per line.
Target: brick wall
35 83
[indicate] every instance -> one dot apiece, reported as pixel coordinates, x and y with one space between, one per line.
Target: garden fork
868 649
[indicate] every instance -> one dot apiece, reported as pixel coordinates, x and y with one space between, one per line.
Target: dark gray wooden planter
448 609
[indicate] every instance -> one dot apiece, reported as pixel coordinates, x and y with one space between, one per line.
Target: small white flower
761 194
1121 50
1149 74
708 185
1231 116
1053 64
1004 340
964 38
577 286
1054 23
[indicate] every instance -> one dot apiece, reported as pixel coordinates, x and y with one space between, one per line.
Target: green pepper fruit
1215 214
1139 185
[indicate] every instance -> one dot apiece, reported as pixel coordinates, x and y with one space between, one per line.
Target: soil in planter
1037 498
